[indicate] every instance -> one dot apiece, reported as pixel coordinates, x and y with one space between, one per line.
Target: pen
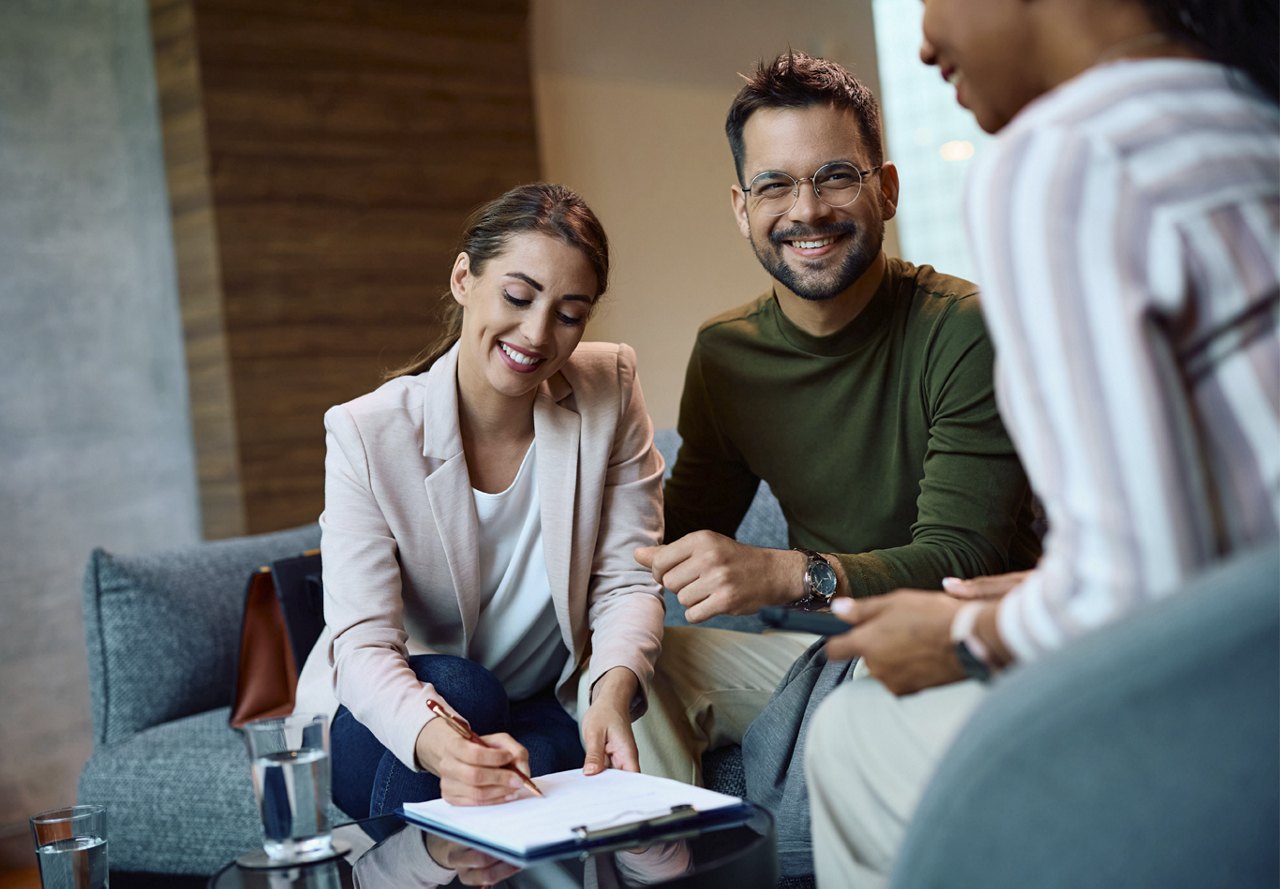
467 733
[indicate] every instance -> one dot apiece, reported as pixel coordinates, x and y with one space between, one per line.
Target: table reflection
417 859
385 852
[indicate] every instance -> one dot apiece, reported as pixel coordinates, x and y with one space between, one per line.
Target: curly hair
1243 34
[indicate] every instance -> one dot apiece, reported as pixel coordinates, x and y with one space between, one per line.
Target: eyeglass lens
835 184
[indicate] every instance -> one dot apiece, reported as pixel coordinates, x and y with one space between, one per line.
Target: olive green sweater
881 441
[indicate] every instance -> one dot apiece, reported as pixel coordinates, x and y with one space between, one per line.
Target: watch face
823 578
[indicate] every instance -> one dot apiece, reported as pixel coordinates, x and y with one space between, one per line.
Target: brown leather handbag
283 617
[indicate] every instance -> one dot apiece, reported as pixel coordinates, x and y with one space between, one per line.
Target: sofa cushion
179 796
163 629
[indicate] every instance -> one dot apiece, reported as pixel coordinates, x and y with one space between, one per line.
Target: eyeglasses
836 184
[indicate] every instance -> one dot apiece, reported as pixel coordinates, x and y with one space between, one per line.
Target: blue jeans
369 780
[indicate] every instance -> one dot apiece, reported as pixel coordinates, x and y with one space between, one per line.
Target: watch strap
971 651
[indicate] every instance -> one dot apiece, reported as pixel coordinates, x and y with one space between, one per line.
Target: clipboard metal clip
678 814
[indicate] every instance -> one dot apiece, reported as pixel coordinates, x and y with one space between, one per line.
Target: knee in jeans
548 754
394 785
542 756
468 687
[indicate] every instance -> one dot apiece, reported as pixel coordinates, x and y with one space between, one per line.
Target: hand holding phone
823 623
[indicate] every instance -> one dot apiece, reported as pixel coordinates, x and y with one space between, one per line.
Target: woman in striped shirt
1125 226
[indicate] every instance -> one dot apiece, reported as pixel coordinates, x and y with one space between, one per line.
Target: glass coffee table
387 853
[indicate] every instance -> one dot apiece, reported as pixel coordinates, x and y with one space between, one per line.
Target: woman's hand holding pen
472 774
606 727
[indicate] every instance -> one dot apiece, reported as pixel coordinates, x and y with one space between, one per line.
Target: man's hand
904 637
992 586
712 574
606 727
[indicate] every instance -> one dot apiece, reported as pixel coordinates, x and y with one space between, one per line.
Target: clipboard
630 809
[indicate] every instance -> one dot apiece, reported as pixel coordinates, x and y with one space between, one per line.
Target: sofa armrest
163 628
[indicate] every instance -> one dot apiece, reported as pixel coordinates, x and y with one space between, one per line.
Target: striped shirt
1126 230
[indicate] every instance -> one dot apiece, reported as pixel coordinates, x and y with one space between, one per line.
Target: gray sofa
162 632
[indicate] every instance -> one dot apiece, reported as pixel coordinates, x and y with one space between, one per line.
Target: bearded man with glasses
860 388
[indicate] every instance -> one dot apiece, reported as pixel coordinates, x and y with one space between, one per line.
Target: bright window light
929 137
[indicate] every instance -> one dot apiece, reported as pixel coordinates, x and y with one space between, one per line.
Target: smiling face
815 251
523 315
987 50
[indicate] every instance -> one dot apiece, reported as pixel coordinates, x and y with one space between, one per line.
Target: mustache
812 233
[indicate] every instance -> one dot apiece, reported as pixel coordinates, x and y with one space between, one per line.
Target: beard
819 285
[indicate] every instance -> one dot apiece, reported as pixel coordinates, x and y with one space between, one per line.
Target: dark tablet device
821 622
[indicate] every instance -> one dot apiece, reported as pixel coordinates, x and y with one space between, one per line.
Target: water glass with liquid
71 847
290 759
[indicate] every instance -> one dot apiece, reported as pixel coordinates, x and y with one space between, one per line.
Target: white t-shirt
517 637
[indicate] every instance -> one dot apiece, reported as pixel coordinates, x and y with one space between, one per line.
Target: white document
572 802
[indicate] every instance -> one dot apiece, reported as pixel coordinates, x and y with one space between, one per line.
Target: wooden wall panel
346 142
196 254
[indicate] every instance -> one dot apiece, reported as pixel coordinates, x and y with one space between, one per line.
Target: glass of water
290 757
71 846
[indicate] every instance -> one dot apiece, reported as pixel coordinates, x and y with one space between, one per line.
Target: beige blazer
399 531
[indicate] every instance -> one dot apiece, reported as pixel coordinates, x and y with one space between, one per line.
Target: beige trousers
708 687
868 759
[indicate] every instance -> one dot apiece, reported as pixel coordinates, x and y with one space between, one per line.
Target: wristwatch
819 582
970 650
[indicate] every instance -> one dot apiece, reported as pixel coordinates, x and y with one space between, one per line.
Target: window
929 137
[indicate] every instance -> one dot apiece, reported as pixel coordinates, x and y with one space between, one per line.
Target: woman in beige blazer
481 511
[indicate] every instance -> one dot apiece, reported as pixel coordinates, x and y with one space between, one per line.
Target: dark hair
1238 33
540 208
797 80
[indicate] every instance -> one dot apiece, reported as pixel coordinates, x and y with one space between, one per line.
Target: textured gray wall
95 442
